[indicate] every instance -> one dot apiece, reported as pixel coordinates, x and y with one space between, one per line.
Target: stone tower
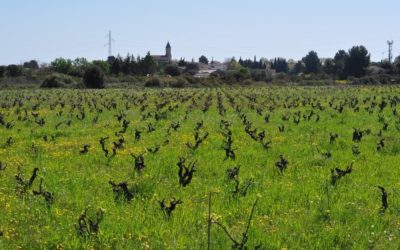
168 53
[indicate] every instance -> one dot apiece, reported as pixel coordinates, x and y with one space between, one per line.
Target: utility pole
390 44
109 44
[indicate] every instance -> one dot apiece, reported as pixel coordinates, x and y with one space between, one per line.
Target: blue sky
47 29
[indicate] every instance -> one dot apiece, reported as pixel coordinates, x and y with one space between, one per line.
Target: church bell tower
168 53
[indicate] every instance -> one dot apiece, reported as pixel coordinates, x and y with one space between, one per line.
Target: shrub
94 78
228 76
261 75
31 74
247 82
56 80
218 74
153 82
374 80
280 76
190 79
179 83
242 74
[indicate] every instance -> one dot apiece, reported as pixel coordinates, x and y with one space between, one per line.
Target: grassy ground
299 207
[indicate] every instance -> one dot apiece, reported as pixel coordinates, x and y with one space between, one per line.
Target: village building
205 70
164 59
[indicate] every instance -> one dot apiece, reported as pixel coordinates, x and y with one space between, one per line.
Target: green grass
296 209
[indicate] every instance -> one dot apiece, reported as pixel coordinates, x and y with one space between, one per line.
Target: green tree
389 67
397 64
192 68
33 64
298 68
234 65
252 64
14 70
81 62
115 65
148 65
61 65
241 74
182 62
312 62
172 70
3 70
340 60
94 78
203 59
126 65
329 66
358 61
80 65
280 65
103 65
261 75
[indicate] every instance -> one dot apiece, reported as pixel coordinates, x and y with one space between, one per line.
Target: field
286 167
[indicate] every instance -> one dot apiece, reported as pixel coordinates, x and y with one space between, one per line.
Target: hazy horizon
44 30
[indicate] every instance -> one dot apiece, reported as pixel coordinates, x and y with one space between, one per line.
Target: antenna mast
390 44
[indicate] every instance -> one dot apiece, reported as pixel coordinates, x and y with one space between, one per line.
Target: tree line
355 62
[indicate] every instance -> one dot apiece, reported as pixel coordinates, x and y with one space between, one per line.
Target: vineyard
221 168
